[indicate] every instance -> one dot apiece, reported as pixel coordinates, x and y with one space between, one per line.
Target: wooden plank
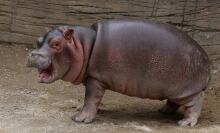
22 21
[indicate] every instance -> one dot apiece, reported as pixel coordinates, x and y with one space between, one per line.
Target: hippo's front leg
94 93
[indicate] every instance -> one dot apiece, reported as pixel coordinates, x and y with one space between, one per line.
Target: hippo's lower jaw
46 75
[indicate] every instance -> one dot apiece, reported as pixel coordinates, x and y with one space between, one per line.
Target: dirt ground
29 107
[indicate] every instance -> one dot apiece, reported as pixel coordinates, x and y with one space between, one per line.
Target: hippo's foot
85 116
191 111
169 108
188 121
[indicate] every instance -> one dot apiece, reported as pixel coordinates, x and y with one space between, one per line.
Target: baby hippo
138 58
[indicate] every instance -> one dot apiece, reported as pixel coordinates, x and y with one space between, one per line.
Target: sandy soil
29 107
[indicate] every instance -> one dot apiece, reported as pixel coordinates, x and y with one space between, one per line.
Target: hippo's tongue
45 74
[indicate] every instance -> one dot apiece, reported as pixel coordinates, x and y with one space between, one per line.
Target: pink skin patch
46 75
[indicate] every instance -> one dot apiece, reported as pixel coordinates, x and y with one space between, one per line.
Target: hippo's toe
84 116
188 121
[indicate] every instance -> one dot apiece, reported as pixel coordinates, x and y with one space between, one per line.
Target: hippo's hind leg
191 110
169 108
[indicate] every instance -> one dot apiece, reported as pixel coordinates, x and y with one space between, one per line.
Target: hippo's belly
147 60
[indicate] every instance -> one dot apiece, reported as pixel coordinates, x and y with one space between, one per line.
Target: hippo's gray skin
144 59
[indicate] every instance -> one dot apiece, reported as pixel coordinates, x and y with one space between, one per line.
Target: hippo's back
148 59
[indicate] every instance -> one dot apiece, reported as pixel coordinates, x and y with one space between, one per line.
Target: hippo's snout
38 60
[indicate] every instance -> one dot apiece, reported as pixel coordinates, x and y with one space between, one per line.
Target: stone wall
22 21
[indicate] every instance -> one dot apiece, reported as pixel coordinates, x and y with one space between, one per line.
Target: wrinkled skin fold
144 59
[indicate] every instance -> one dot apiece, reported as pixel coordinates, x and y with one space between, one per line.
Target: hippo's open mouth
46 75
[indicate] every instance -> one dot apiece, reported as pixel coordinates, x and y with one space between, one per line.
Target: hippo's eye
56 46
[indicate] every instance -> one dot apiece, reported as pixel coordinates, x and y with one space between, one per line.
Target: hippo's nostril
37 55
37 59
32 58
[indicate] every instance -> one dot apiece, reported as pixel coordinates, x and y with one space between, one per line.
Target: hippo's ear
68 34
